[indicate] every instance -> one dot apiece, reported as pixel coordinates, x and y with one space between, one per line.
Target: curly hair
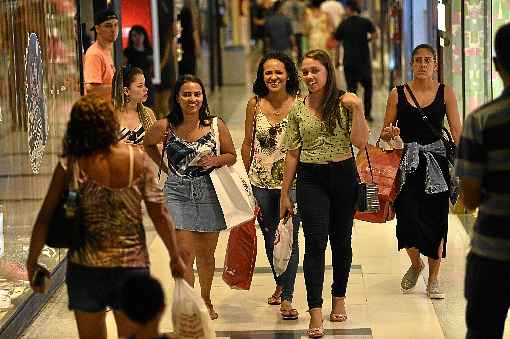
92 127
176 117
332 94
292 87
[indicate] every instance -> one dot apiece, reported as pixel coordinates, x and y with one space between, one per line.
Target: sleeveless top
412 128
183 156
133 136
115 236
266 169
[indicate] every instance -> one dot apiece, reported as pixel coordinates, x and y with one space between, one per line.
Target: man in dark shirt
483 166
354 32
278 31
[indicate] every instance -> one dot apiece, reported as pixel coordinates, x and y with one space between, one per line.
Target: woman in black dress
422 205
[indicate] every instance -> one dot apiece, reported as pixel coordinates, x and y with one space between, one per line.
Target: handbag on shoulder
442 133
65 229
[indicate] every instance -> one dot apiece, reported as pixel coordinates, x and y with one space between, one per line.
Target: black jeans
487 290
353 76
326 196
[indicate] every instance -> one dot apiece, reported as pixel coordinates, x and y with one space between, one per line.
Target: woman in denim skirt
190 145
275 89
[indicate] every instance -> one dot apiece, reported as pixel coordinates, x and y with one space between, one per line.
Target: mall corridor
375 305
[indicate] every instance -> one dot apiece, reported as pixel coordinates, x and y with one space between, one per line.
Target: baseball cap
104 15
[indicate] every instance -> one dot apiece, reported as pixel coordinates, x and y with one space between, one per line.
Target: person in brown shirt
99 67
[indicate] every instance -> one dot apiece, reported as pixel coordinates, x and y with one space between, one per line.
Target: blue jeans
268 218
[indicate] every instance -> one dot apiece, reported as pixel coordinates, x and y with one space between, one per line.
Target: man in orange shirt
99 67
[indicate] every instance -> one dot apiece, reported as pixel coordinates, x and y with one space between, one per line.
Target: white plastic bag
190 316
282 245
233 190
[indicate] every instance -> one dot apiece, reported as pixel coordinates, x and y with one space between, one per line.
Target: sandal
289 314
315 332
276 298
337 318
212 313
410 279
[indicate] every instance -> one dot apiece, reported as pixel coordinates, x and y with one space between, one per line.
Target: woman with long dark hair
275 89
321 131
189 142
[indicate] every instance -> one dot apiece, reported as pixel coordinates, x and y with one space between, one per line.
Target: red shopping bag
241 255
385 165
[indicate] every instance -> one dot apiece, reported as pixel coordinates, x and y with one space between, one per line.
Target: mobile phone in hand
41 278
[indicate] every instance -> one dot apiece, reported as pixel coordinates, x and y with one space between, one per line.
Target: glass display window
39 81
500 16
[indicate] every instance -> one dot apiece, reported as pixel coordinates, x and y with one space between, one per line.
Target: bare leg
91 325
434 264
125 327
205 246
414 256
186 241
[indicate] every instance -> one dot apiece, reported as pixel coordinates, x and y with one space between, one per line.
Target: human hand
390 132
286 206
351 101
177 267
208 161
32 268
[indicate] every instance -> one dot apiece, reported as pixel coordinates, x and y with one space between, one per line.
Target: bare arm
291 162
227 149
452 114
248 134
40 229
151 140
389 131
359 129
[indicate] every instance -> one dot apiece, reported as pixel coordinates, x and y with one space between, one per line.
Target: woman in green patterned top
275 92
318 140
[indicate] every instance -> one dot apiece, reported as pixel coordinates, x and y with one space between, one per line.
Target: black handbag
65 228
368 193
443 133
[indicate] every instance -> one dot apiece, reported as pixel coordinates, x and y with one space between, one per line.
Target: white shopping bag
190 316
233 190
282 245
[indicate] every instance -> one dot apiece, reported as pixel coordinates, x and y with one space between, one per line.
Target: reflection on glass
52 23
500 16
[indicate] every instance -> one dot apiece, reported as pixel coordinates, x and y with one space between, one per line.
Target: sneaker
434 291
410 279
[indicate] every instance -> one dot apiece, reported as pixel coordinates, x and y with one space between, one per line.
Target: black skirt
422 219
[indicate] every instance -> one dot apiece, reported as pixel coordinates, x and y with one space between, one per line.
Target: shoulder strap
422 114
131 165
163 150
257 107
216 134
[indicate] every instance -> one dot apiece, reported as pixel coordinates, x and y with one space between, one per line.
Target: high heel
337 317
315 332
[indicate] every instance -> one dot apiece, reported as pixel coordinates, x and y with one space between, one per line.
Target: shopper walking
295 11
355 32
189 41
113 182
423 202
190 145
482 165
318 26
318 140
98 67
139 54
129 94
275 89
278 31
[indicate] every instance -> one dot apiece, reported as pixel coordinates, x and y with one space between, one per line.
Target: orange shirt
99 67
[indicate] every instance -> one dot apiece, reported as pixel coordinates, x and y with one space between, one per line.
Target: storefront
39 81
468 50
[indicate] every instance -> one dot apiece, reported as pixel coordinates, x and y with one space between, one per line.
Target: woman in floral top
275 88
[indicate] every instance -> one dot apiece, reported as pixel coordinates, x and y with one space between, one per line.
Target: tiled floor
376 307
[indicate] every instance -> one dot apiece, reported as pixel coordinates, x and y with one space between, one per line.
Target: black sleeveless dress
422 219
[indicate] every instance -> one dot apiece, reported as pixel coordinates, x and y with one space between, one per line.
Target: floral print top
266 169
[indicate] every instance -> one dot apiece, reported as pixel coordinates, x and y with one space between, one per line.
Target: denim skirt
193 204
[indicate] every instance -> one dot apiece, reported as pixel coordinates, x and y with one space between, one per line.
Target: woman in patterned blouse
128 95
113 181
275 91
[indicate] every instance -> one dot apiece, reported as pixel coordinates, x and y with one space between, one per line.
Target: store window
500 16
39 81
